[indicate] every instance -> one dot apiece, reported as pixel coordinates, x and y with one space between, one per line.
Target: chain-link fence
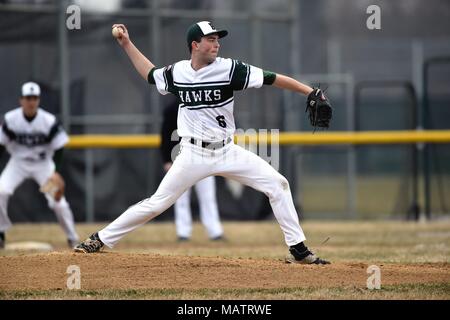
90 84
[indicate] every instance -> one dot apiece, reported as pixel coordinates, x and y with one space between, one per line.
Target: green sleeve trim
240 76
150 77
269 77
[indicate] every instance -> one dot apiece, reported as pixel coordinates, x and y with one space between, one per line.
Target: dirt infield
113 270
414 260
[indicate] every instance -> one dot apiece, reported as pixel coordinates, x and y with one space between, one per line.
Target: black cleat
183 239
220 238
304 257
2 240
90 245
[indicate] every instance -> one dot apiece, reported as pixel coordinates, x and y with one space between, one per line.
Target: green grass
404 292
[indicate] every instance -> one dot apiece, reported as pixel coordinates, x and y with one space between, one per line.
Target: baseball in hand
117 32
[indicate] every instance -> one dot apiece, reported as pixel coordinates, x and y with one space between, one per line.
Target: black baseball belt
211 145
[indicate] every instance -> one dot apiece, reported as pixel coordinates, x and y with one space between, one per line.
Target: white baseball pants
209 212
15 172
195 163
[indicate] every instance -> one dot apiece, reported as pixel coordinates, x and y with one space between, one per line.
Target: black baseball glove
319 108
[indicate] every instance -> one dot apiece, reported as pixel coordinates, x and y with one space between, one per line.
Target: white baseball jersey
32 140
206 96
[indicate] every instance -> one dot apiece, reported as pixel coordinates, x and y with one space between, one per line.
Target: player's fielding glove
319 108
54 187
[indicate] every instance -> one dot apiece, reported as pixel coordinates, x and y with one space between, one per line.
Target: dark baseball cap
202 29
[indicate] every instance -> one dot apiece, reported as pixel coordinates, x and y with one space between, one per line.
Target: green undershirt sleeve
269 77
150 77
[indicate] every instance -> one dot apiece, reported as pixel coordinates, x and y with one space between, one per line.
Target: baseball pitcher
34 139
205 86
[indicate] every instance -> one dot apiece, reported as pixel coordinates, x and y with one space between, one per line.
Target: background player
205 189
34 139
205 88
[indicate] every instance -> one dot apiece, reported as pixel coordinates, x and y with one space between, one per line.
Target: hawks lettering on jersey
206 96
36 139
200 96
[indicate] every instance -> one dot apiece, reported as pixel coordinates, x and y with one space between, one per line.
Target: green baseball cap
202 29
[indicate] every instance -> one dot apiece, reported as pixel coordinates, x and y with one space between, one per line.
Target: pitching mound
114 270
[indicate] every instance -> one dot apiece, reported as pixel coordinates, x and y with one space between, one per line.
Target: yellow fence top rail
284 138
